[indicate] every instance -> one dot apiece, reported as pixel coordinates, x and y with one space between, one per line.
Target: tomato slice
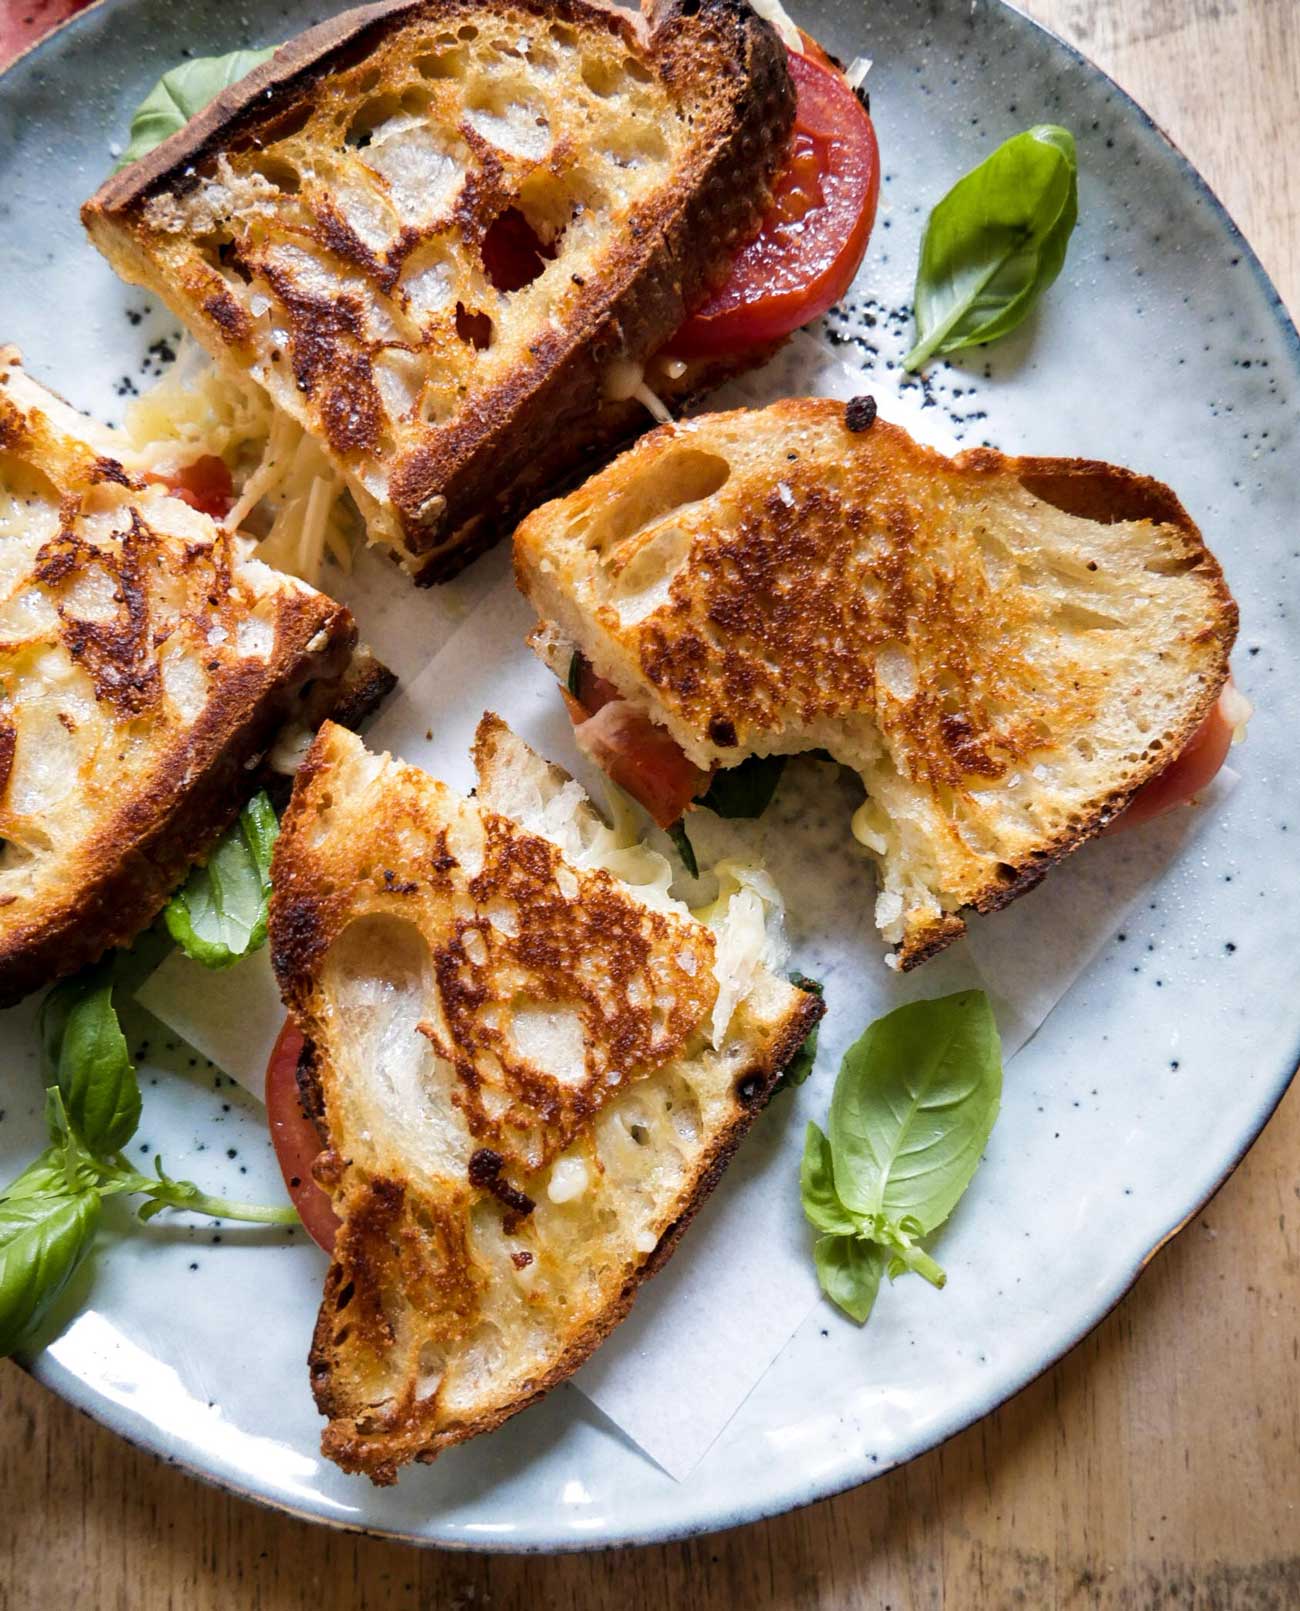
205 485
296 1141
1191 771
809 246
641 757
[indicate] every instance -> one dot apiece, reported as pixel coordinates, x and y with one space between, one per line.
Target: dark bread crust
144 851
569 454
445 487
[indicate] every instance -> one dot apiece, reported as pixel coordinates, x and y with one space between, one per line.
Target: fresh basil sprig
49 1214
182 93
683 846
995 243
219 914
912 1110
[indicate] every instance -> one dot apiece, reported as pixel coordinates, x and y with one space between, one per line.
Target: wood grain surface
1157 1466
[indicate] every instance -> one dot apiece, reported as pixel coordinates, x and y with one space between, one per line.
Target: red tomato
513 252
1185 776
205 485
296 1141
809 246
641 757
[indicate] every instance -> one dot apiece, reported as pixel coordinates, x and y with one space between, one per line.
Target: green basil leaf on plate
913 1107
821 1205
220 914
995 243
182 93
42 1241
849 1271
745 790
98 1084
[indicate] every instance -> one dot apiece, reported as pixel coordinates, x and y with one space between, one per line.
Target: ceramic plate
1163 347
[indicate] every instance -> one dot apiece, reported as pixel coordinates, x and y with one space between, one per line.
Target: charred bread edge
645 303
149 845
569 459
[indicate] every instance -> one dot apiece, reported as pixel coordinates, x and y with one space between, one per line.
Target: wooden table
1158 1465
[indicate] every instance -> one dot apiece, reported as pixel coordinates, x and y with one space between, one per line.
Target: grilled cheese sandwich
147 663
530 1064
433 230
1003 649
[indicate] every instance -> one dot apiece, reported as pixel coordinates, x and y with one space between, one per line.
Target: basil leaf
995 243
848 1272
44 1176
42 1241
745 790
685 849
913 1106
800 1066
220 914
822 1208
96 1079
181 93
574 680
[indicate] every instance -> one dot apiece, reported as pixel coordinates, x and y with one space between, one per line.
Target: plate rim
63 1384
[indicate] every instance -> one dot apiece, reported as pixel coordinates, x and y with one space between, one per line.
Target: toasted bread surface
515 1073
1005 649
147 664
328 226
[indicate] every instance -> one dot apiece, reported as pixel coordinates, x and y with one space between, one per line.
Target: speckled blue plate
1163 346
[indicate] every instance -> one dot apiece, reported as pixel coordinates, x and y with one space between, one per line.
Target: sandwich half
529 1064
445 235
1004 649
147 664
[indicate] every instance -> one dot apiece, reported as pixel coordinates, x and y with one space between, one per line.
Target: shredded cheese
774 12
289 493
858 69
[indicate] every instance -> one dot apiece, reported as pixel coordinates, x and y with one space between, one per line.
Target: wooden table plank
1158 1465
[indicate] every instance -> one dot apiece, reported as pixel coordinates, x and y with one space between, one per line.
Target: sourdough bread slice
1004 649
528 1073
147 664
439 231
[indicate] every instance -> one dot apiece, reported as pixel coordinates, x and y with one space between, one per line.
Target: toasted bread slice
528 1074
146 664
1004 649
439 231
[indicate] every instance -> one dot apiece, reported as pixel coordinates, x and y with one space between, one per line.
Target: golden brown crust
442 478
432 1252
951 628
117 777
